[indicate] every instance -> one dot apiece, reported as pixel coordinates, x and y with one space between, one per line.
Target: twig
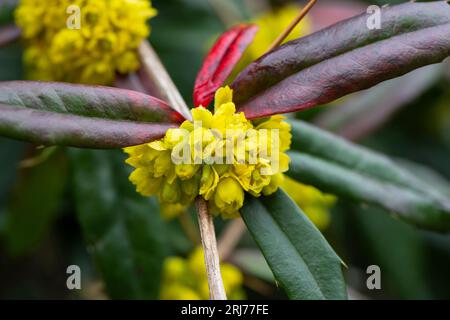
258 285
8 35
257 6
230 238
156 73
226 11
131 81
205 221
292 25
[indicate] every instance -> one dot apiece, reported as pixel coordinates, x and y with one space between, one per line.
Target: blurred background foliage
60 207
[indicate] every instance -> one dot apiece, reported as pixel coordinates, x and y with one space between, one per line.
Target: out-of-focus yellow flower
105 43
227 155
185 279
312 201
170 211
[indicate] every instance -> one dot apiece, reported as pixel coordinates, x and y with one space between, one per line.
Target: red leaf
220 61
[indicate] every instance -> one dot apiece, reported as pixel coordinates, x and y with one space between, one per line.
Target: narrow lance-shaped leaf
301 259
82 116
220 61
344 58
32 208
7 8
349 171
123 231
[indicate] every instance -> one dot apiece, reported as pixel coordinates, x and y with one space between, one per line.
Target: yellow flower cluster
312 201
219 173
185 279
82 41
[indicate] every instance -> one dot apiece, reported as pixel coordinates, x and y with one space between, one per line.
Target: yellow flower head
185 279
82 41
219 156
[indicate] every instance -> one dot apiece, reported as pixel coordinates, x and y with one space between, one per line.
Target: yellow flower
170 192
229 197
218 156
170 211
185 279
312 201
105 43
208 182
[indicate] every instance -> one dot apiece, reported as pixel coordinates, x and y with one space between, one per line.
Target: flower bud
170 193
229 197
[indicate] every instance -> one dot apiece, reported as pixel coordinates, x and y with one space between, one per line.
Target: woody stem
230 238
160 78
205 221
154 69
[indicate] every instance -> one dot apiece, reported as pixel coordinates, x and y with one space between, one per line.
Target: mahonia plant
222 170
168 149
106 42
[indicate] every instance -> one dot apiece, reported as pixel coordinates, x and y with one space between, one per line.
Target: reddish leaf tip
221 60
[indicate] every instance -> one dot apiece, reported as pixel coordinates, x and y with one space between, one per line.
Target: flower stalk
208 235
230 238
157 74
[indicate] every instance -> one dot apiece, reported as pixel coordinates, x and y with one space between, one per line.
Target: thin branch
158 75
205 221
257 6
230 238
226 12
9 34
292 25
258 285
131 81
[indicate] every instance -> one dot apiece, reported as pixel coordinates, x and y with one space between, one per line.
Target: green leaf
82 116
301 259
10 154
11 67
339 167
34 203
123 231
7 8
344 58
403 265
